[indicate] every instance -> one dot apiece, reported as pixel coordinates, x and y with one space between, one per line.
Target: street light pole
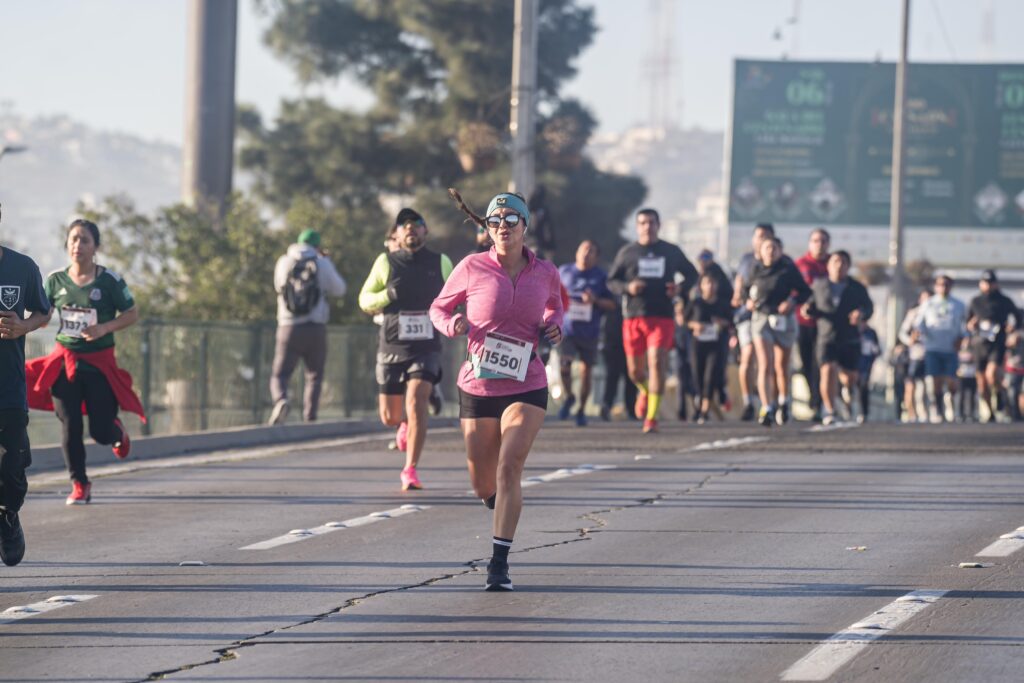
524 104
209 149
898 289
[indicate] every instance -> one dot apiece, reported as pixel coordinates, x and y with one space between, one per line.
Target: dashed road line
823 661
296 535
19 612
1007 544
727 443
832 427
565 473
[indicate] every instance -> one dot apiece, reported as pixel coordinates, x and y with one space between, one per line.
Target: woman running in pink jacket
511 298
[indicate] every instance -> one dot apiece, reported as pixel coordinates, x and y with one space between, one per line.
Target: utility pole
898 289
522 122
209 150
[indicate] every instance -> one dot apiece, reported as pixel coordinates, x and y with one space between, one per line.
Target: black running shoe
489 502
497 576
12 539
767 417
748 413
782 416
436 401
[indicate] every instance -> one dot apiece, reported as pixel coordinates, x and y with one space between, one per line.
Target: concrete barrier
50 458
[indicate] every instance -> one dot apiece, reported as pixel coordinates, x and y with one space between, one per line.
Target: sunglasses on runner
512 220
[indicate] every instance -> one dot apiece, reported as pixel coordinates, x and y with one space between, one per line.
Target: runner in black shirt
21 291
643 274
989 321
709 317
839 305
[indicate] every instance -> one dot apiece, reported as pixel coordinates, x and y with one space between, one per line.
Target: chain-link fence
194 376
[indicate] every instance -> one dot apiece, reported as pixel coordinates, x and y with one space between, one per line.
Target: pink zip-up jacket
495 304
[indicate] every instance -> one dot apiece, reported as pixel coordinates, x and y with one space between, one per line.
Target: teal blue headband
509 201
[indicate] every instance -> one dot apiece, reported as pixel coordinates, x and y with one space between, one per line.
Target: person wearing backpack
303 279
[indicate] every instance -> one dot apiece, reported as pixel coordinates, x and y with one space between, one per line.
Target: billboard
811 145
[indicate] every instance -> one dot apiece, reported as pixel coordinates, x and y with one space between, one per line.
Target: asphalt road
714 553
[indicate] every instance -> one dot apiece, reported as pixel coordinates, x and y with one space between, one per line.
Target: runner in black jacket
839 304
774 290
989 321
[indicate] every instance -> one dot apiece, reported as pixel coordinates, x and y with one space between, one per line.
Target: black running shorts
392 377
472 407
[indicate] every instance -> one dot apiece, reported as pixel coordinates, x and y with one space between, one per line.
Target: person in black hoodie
709 317
839 305
989 321
774 291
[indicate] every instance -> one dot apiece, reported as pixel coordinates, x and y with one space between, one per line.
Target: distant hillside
68 161
677 165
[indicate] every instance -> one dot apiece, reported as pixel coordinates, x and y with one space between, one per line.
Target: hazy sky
119 64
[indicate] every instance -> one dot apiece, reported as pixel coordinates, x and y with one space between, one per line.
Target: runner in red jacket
81 374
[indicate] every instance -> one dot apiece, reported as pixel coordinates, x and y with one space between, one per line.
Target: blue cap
506 200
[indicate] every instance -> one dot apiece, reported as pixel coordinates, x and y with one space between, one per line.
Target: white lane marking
213 458
565 473
823 661
727 443
1007 544
36 608
296 535
832 427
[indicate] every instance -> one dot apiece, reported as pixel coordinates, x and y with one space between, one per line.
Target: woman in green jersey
93 303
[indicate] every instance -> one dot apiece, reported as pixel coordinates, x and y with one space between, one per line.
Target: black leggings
710 367
90 387
15 456
807 346
967 398
616 371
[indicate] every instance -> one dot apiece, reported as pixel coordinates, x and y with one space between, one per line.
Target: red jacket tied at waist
42 373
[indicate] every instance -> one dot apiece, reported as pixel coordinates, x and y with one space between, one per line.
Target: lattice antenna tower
988 31
659 66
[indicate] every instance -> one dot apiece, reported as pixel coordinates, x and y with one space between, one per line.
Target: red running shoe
402 436
80 494
123 447
640 407
650 426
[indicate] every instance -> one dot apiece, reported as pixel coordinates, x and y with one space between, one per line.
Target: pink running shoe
402 436
410 481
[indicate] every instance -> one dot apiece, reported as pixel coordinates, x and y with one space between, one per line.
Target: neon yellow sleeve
373 297
446 267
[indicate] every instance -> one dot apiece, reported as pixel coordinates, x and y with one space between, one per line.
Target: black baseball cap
408 215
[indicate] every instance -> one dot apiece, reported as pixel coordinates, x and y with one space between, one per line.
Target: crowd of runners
952 360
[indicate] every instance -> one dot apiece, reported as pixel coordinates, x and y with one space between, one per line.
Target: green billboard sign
812 144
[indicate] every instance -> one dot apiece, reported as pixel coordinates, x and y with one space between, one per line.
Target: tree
178 266
440 71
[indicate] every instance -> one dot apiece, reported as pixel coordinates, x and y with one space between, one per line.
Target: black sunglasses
512 220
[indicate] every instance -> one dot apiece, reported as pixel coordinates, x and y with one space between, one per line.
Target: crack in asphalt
230 652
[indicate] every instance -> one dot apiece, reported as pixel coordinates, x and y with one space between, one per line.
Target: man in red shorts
644 275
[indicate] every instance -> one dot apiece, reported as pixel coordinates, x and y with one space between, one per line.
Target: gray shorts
743 334
578 347
783 333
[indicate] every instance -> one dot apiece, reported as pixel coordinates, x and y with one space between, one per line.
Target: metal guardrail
196 376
